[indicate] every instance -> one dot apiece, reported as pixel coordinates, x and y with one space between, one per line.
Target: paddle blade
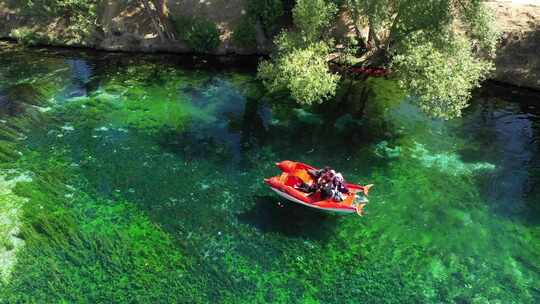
360 209
366 189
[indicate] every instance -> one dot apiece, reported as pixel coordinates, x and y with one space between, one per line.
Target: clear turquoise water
143 183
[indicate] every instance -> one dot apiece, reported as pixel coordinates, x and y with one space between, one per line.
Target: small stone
67 127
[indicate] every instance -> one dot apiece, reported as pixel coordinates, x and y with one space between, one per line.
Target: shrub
244 33
312 17
81 17
267 12
441 78
302 72
201 35
28 36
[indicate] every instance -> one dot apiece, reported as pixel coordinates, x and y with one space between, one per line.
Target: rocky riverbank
145 26
134 27
518 57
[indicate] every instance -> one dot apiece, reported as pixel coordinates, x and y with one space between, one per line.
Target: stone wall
518 56
129 26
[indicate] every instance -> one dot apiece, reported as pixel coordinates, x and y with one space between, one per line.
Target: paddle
359 208
364 189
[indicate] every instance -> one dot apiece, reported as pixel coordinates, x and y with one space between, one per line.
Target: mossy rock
15 99
25 93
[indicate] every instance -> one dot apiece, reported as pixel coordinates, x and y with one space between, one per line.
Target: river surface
138 179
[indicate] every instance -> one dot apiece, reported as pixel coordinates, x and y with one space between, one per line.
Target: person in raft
327 182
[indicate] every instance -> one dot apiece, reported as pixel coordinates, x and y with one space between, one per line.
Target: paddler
339 188
316 174
328 182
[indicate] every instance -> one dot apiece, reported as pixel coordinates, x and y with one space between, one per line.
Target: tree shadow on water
276 215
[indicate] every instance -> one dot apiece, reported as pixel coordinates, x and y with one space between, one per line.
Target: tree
303 72
441 78
436 48
265 12
154 13
299 64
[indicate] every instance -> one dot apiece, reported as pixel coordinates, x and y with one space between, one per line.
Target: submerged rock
67 127
16 99
347 121
447 162
24 93
384 151
308 117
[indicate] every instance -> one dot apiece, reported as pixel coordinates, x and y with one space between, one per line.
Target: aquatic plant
382 149
124 209
72 236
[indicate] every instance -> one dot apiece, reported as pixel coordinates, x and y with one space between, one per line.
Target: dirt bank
518 57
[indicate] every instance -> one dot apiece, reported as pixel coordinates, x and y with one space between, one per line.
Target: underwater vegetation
10 223
79 248
447 162
141 182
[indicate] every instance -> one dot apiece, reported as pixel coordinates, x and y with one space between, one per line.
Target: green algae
153 99
149 189
47 75
150 115
470 233
71 236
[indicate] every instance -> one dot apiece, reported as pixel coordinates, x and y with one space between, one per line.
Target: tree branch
373 38
155 23
391 33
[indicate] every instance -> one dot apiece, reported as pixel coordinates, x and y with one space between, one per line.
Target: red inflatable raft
294 173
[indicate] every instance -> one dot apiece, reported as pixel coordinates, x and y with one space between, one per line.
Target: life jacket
325 179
